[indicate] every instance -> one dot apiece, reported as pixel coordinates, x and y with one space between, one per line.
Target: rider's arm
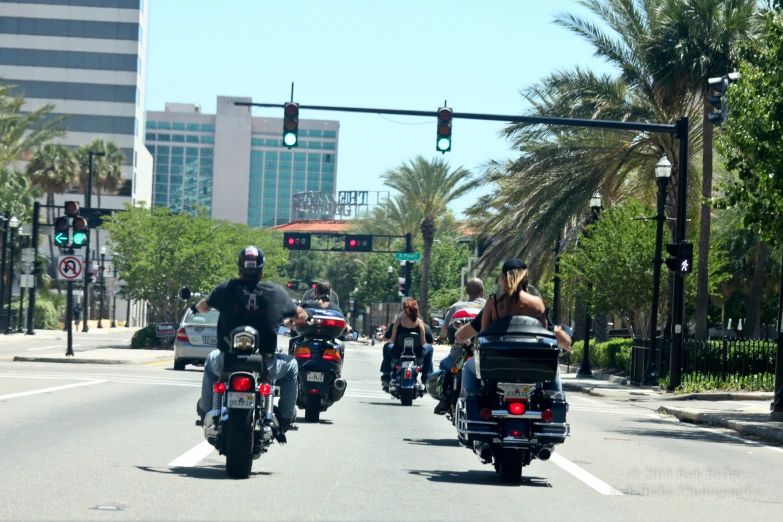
486 316
202 306
444 330
465 334
563 339
394 330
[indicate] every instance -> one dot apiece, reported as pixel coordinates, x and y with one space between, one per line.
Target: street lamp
19 327
4 219
390 270
584 368
114 300
13 223
662 172
87 274
102 285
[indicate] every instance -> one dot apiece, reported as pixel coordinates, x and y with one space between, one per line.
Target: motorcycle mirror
184 293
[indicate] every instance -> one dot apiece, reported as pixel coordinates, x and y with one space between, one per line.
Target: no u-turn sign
69 267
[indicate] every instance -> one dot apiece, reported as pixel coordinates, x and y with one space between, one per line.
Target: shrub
615 353
44 318
145 338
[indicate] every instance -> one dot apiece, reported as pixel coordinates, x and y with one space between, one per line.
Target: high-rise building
88 59
235 164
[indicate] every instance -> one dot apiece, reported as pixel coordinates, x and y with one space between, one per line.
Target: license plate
315 377
515 391
241 400
209 339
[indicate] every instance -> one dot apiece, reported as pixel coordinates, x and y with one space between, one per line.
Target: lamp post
87 274
584 368
390 270
102 285
20 323
13 223
662 172
114 300
5 220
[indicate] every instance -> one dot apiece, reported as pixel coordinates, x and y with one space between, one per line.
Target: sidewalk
105 356
747 413
60 335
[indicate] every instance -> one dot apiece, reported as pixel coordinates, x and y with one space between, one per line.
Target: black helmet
251 261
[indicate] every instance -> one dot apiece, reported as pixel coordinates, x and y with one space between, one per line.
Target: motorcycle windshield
310 295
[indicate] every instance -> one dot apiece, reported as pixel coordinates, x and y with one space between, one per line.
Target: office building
88 59
234 164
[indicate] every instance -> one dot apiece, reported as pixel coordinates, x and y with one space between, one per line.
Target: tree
158 251
53 169
428 186
699 39
22 131
17 195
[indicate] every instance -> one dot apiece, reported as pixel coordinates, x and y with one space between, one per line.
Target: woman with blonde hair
514 298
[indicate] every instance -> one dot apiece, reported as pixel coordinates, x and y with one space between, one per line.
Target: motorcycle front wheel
239 443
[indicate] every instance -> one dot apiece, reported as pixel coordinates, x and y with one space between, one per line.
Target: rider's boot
442 408
385 382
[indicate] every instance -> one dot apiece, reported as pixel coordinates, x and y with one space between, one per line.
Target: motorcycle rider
475 290
323 300
248 301
388 347
514 300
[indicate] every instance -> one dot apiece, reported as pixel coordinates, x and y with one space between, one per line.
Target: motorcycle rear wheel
406 396
313 408
239 443
510 465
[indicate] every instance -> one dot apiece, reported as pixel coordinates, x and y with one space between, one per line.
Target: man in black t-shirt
248 301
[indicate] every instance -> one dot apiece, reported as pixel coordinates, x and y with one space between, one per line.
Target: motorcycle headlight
244 342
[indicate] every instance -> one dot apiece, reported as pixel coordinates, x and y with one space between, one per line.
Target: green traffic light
61 239
290 139
79 239
444 144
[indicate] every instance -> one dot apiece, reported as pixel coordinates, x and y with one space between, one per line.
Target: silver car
196 338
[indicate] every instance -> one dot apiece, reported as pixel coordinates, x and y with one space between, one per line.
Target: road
77 440
30 345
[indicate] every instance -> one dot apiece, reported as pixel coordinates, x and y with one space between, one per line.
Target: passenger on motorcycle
408 321
475 291
513 300
323 300
248 301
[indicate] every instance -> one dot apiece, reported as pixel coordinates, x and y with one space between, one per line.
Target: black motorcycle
320 358
242 422
406 367
518 414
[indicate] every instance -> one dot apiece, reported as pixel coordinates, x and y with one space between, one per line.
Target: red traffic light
445 114
61 224
292 109
353 243
79 223
291 241
71 208
290 285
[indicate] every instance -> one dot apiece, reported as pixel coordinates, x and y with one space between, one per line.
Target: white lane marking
46 390
193 456
717 432
49 347
583 475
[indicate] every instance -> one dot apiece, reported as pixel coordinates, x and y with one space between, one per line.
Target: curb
24 338
756 429
73 360
724 396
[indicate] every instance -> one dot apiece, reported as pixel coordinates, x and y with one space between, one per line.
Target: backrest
516 326
408 341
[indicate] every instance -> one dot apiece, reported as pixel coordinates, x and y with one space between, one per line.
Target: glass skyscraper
235 164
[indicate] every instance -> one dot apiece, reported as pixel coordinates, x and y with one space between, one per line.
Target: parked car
196 338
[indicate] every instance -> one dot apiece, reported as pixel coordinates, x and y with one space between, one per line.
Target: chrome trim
470 432
482 422
503 414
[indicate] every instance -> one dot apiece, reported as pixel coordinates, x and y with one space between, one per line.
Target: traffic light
296 241
313 284
71 208
291 125
291 285
681 257
721 101
358 243
61 227
80 231
445 117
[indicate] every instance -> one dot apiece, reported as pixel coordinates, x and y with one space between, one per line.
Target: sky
405 54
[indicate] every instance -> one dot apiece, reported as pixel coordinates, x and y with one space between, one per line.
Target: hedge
613 354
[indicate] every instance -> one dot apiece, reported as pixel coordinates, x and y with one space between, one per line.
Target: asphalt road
90 442
20 344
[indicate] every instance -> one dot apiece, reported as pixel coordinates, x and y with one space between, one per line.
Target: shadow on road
201 472
303 422
688 431
476 477
391 404
446 443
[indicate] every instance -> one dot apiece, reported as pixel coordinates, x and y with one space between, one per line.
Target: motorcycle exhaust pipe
338 389
544 454
483 452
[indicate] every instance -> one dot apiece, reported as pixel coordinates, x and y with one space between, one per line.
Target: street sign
28 255
27 281
69 267
407 256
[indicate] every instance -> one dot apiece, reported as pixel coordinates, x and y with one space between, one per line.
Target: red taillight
265 389
398 366
418 368
485 413
546 415
241 383
314 390
516 408
331 355
407 374
515 433
303 352
219 387
336 323
182 335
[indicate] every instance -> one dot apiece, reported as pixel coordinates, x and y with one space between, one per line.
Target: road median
104 356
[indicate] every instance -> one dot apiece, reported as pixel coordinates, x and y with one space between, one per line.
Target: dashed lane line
47 390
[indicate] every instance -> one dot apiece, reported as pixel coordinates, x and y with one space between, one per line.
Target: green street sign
407 256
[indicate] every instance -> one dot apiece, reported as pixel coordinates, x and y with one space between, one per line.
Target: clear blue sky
404 55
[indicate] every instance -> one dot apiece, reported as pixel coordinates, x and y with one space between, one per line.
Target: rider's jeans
471 384
427 354
282 369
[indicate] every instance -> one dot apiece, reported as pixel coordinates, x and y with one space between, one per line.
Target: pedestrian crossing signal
681 257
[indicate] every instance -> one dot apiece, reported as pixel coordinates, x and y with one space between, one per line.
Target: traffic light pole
69 314
408 265
678 298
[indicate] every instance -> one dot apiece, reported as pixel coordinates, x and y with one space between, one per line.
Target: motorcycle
406 369
241 424
448 383
320 358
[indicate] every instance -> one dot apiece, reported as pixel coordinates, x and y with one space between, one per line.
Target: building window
314 145
256 142
207 128
178 126
191 138
163 149
180 138
330 134
273 143
150 136
164 137
329 145
327 158
316 133
152 125
208 139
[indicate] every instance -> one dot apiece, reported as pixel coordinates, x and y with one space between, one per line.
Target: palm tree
427 187
699 39
53 169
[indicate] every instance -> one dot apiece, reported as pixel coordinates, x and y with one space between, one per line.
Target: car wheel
179 365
